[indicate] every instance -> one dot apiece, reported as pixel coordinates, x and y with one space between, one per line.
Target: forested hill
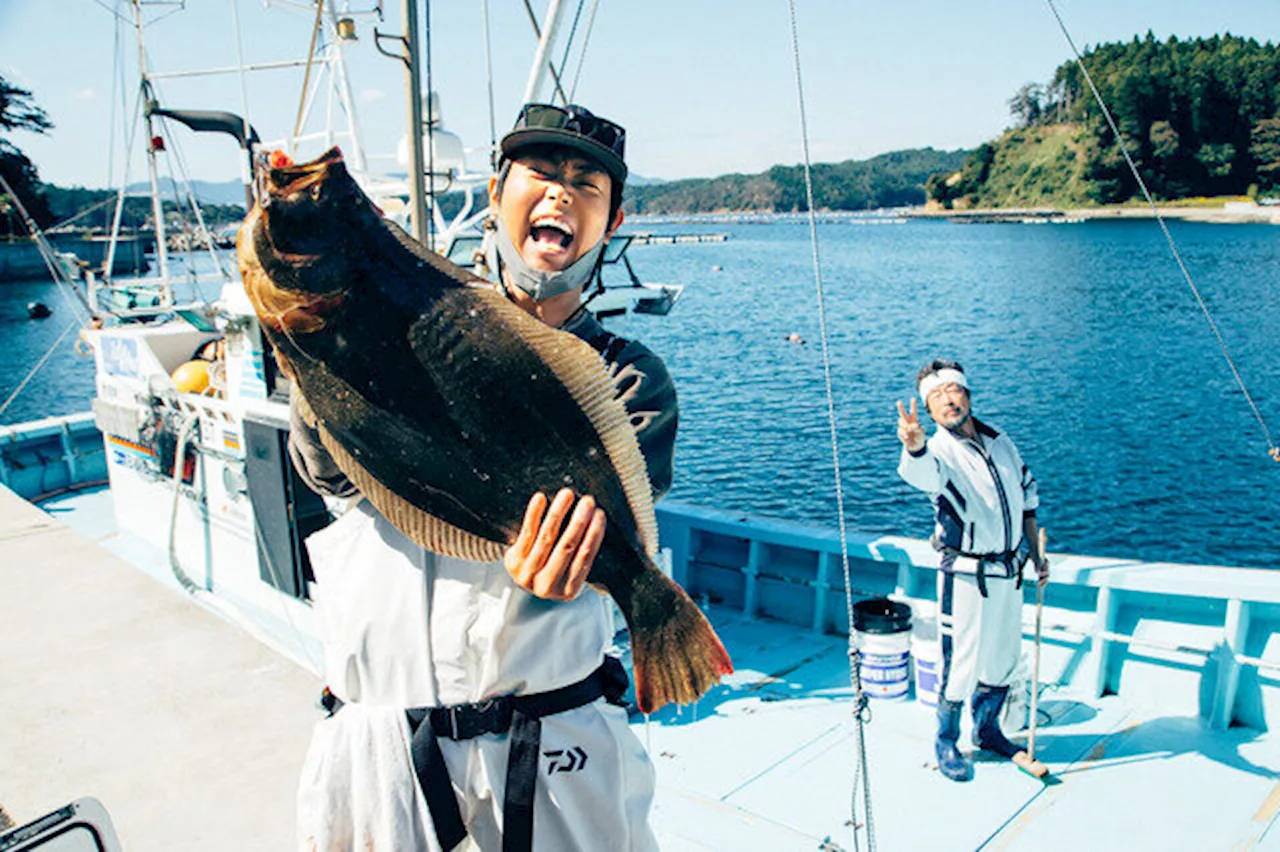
889 180
1199 117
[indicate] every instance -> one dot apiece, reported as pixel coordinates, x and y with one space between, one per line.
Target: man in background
985 502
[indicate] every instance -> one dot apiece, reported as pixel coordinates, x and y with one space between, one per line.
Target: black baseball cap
571 126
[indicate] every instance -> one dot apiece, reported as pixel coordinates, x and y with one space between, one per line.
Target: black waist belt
1009 558
519 714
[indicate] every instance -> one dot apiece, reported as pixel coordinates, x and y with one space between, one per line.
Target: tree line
48 204
895 179
1198 117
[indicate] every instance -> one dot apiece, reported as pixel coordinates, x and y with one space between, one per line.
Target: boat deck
192 732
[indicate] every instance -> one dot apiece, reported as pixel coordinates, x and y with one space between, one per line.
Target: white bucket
927 657
886 661
884 638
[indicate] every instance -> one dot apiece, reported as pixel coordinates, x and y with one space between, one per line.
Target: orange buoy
192 377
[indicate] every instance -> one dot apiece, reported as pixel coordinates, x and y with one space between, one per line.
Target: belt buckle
453 723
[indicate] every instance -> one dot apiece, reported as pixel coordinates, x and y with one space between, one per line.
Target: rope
48 254
861 710
82 213
31 375
1173 247
204 596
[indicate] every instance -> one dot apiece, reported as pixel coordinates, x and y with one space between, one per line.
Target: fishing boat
162 656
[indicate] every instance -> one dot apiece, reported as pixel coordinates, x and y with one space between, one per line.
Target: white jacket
407 628
980 488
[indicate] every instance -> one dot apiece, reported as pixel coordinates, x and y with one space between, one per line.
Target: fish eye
315 192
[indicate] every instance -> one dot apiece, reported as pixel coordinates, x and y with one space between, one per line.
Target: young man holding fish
985 500
408 628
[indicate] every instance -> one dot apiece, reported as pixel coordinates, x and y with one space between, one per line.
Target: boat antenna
861 709
488 78
1272 449
433 110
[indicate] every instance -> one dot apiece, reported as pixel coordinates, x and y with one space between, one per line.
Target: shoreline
1232 213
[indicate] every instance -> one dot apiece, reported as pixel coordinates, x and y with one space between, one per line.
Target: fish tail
675 653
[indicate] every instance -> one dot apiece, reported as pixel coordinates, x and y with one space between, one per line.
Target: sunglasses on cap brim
575 120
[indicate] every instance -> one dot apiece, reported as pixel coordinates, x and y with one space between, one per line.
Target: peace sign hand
910 432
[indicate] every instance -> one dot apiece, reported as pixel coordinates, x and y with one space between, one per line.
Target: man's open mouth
553 233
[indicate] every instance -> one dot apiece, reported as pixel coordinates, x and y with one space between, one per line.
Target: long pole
417 188
538 73
157 205
1035 665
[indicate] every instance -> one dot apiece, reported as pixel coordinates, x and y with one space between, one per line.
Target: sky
704 87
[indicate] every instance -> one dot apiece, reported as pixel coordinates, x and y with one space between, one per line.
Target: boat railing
1210 631
46 457
1212 622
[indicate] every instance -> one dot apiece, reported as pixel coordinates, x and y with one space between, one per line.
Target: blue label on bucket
885 675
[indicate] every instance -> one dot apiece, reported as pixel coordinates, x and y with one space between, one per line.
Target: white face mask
536 283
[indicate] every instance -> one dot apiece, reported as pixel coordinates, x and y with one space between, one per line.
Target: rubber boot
987 703
951 762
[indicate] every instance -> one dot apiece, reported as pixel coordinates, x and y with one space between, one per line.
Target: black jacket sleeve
312 461
646 389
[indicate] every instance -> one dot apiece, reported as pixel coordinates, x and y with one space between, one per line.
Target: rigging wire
861 711
48 254
85 212
75 323
306 76
1164 228
244 83
586 40
117 15
568 42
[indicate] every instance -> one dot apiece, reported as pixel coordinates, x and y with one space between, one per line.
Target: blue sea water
1083 342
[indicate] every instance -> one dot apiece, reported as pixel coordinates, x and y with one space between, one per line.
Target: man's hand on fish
547 561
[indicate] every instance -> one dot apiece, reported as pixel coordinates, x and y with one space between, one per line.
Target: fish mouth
285 180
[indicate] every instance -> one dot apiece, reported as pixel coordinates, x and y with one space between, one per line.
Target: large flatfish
448 406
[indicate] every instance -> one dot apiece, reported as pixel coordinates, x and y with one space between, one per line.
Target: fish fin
679 658
585 375
286 369
425 529
304 410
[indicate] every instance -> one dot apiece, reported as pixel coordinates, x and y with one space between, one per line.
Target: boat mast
541 60
338 72
157 207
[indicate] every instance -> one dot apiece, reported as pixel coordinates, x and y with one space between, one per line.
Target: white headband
936 380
